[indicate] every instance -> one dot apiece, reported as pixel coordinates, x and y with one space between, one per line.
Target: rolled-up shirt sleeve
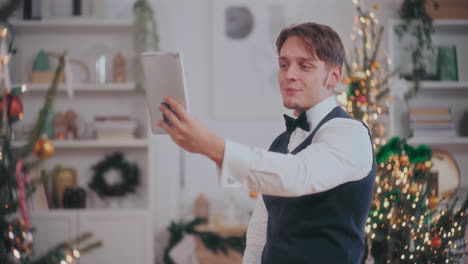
341 151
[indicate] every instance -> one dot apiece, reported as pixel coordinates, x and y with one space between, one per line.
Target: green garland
396 145
211 241
129 173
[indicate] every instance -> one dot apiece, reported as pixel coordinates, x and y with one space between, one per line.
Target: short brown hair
321 40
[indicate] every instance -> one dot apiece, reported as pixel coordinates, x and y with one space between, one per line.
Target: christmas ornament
433 202
15 108
404 160
347 80
375 6
253 194
358 76
413 189
362 98
375 65
43 148
420 166
436 242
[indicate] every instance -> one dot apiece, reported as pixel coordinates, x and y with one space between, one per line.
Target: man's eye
304 66
283 65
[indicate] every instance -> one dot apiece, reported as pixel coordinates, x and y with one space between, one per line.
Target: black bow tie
300 122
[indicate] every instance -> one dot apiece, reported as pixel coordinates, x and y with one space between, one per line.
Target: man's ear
335 76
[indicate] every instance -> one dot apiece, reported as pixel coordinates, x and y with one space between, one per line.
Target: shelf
439 140
94 144
82 87
72 23
460 24
442 85
442 24
60 212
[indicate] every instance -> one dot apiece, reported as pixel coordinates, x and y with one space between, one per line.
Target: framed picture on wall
245 61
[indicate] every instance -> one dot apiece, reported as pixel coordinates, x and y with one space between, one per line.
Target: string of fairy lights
404 213
367 97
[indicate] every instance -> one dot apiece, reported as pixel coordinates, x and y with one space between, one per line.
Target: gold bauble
413 189
376 6
404 160
420 166
433 202
43 148
375 65
358 76
347 80
253 194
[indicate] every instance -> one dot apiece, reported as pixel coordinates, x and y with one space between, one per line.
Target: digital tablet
163 75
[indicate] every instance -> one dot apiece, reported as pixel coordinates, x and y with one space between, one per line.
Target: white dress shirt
340 152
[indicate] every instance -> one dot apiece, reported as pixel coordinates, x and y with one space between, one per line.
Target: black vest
322 228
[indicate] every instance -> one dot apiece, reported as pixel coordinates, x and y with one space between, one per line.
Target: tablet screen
163 75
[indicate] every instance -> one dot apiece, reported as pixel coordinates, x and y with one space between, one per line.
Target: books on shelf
434 133
431 121
115 127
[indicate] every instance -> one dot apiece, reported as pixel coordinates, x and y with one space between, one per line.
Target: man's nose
292 72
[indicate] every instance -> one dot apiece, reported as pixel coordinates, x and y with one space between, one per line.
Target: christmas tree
367 97
16 238
404 224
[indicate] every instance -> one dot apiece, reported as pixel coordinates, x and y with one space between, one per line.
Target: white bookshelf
84 39
94 144
128 87
71 24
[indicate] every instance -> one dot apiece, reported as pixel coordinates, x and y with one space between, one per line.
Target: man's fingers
170 130
173 119
177 107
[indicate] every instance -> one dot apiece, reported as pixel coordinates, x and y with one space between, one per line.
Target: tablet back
163 75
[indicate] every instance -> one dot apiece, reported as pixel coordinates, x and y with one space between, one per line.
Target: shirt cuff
236 164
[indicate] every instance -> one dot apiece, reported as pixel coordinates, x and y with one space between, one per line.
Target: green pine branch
46 108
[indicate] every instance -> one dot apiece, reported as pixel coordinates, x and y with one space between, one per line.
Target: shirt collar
319 111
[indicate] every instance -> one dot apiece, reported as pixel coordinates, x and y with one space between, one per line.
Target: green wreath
129 173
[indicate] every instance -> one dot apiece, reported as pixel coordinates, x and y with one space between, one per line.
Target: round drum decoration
129 176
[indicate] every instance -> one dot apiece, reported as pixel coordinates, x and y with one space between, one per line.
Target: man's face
304 79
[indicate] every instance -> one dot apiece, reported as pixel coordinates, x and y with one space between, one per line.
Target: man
317 177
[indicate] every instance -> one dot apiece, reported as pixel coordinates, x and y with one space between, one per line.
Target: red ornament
436 242
362 98
15 108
